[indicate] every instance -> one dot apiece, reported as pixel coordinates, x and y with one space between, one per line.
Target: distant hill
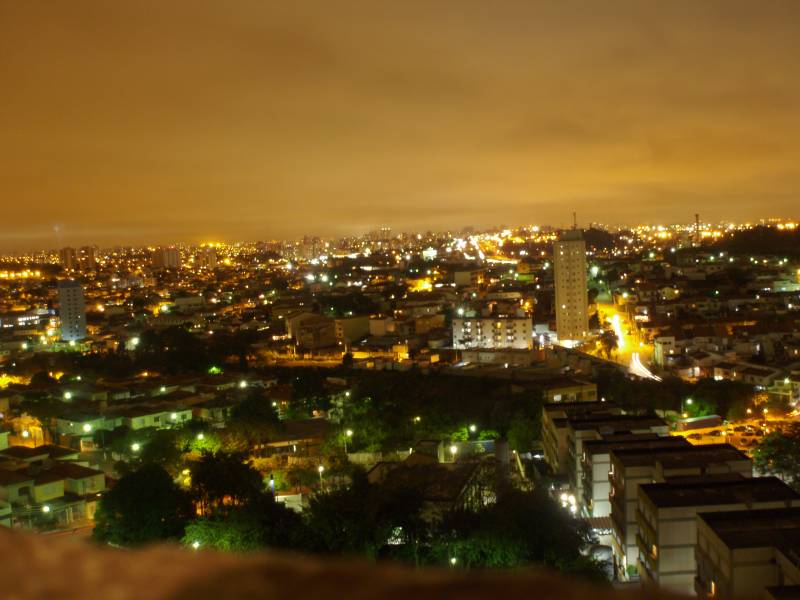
762 240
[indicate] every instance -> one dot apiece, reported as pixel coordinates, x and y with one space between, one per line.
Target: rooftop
779 527
679 456
705 492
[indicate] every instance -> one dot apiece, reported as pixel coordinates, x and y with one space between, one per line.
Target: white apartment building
493 332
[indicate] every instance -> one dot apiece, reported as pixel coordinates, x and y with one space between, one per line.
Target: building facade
72 310
572 300
493 332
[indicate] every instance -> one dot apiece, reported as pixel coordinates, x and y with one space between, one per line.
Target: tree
523 431
224 479
779 454
145 506
360 519
42 378
163 448
253 421
521 528
262 523
347 360
609 342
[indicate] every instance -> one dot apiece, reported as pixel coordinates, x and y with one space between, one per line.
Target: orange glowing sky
150 121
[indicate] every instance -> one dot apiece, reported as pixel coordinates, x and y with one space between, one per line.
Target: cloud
166 120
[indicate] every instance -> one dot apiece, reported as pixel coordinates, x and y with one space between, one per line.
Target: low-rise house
442 487
215 411
303 436
26 455
159 416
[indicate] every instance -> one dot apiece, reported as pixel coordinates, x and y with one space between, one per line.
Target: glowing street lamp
135 447
473 428
320 470
347 435
87 427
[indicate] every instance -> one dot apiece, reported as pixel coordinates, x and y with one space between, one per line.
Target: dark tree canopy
144 506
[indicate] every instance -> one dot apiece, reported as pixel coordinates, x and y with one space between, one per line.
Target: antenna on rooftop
697 228
574 220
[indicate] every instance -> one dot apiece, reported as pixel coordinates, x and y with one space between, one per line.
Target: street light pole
347 434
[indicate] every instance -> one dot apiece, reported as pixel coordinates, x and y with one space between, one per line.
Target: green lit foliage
523 431
144 506
779 454
522 528
261 523
729 399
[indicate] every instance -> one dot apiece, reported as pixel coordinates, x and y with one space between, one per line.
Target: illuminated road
637 368
629 346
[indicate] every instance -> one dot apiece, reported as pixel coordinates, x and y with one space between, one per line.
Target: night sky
133 121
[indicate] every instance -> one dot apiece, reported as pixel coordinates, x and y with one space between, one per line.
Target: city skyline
158 124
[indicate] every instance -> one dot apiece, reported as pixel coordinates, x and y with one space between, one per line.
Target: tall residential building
166 258
68 259
72 310
207 258
572 299
87 258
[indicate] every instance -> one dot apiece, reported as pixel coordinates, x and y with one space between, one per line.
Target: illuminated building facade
572 301
166 258
72 310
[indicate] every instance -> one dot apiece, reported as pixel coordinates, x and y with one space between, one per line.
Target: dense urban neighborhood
603 402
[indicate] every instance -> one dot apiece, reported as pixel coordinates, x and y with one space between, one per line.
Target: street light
135 447
87 427
347 435
321 470
473 428
454 451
